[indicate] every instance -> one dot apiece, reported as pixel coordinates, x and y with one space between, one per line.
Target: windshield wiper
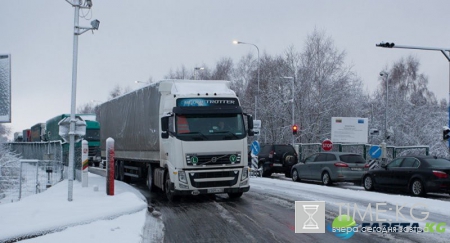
228 132
196 133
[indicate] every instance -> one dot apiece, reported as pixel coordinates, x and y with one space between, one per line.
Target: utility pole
78 30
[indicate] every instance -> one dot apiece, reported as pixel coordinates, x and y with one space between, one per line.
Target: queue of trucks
183 137
49 131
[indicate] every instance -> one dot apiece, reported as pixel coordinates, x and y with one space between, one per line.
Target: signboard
189 102
349 129
5 88
375 151
255 147
64 129
327 145
256 126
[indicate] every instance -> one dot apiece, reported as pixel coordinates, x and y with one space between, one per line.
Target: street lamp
196 69
257 94
445 51
141 82
293 109
78 30
386 105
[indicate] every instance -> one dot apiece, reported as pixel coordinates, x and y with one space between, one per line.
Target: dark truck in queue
92 136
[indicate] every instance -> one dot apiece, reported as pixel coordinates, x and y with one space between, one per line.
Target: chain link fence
38 175
36 166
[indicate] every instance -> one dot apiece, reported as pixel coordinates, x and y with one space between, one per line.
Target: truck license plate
215 190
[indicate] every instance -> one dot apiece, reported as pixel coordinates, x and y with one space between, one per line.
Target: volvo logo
214 159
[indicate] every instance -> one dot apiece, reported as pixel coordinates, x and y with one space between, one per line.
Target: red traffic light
294 129
386 44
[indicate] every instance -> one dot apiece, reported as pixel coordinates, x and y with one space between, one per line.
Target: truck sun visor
208 110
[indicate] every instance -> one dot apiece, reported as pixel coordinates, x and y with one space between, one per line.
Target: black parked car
415 174
276 158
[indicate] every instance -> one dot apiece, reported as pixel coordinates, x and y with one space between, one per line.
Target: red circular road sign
327 145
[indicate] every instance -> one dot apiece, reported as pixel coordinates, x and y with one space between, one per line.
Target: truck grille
92 150
197 181
215 159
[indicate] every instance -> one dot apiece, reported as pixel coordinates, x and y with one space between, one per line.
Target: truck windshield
197 127
92 135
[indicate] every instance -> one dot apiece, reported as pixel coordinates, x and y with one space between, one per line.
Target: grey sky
145 38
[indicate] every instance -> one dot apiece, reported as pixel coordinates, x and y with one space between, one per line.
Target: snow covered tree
327 88
414 116
4 132
87 108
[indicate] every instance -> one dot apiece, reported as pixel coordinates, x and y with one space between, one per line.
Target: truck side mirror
165 127
250 125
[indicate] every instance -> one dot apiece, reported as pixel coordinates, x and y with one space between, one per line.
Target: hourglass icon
310 223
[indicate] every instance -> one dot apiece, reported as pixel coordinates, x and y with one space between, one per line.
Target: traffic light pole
445 51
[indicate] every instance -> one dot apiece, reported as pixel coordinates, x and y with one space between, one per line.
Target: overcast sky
140 39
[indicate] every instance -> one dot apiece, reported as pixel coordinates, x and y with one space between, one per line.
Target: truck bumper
206 191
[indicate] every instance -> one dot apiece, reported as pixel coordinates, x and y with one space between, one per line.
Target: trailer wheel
150 183
121 175
167 189
116 170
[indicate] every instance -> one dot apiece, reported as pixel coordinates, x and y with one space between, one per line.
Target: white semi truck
186 137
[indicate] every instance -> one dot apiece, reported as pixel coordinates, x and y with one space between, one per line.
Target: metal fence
38 150
53 150
305 150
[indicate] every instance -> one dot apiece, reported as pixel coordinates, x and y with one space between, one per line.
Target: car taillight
271 154
340 164
440 174
366 166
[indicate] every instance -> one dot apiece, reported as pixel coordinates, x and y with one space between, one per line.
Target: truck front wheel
150 183
234 195
167 188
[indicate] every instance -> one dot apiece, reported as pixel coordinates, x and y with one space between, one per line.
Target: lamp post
445 51
78 30
141 82
196 69
386 105
293 108
257 94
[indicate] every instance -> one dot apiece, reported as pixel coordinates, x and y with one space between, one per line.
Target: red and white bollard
110 167
84 163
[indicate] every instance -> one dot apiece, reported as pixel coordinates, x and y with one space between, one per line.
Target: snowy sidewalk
97 217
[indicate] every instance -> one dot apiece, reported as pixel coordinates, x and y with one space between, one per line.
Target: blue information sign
375 151
255 147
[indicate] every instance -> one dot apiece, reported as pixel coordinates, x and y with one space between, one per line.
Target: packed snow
93 216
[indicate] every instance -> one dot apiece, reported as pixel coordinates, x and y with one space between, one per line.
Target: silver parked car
330 167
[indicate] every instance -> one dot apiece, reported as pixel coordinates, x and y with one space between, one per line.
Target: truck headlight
182 176
244 173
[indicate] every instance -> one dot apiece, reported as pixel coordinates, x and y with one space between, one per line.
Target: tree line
324 86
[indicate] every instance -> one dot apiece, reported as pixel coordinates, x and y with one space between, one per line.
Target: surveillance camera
95 24
381 74
89 3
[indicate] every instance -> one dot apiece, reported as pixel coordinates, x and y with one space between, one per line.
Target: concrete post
110 167
84 163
